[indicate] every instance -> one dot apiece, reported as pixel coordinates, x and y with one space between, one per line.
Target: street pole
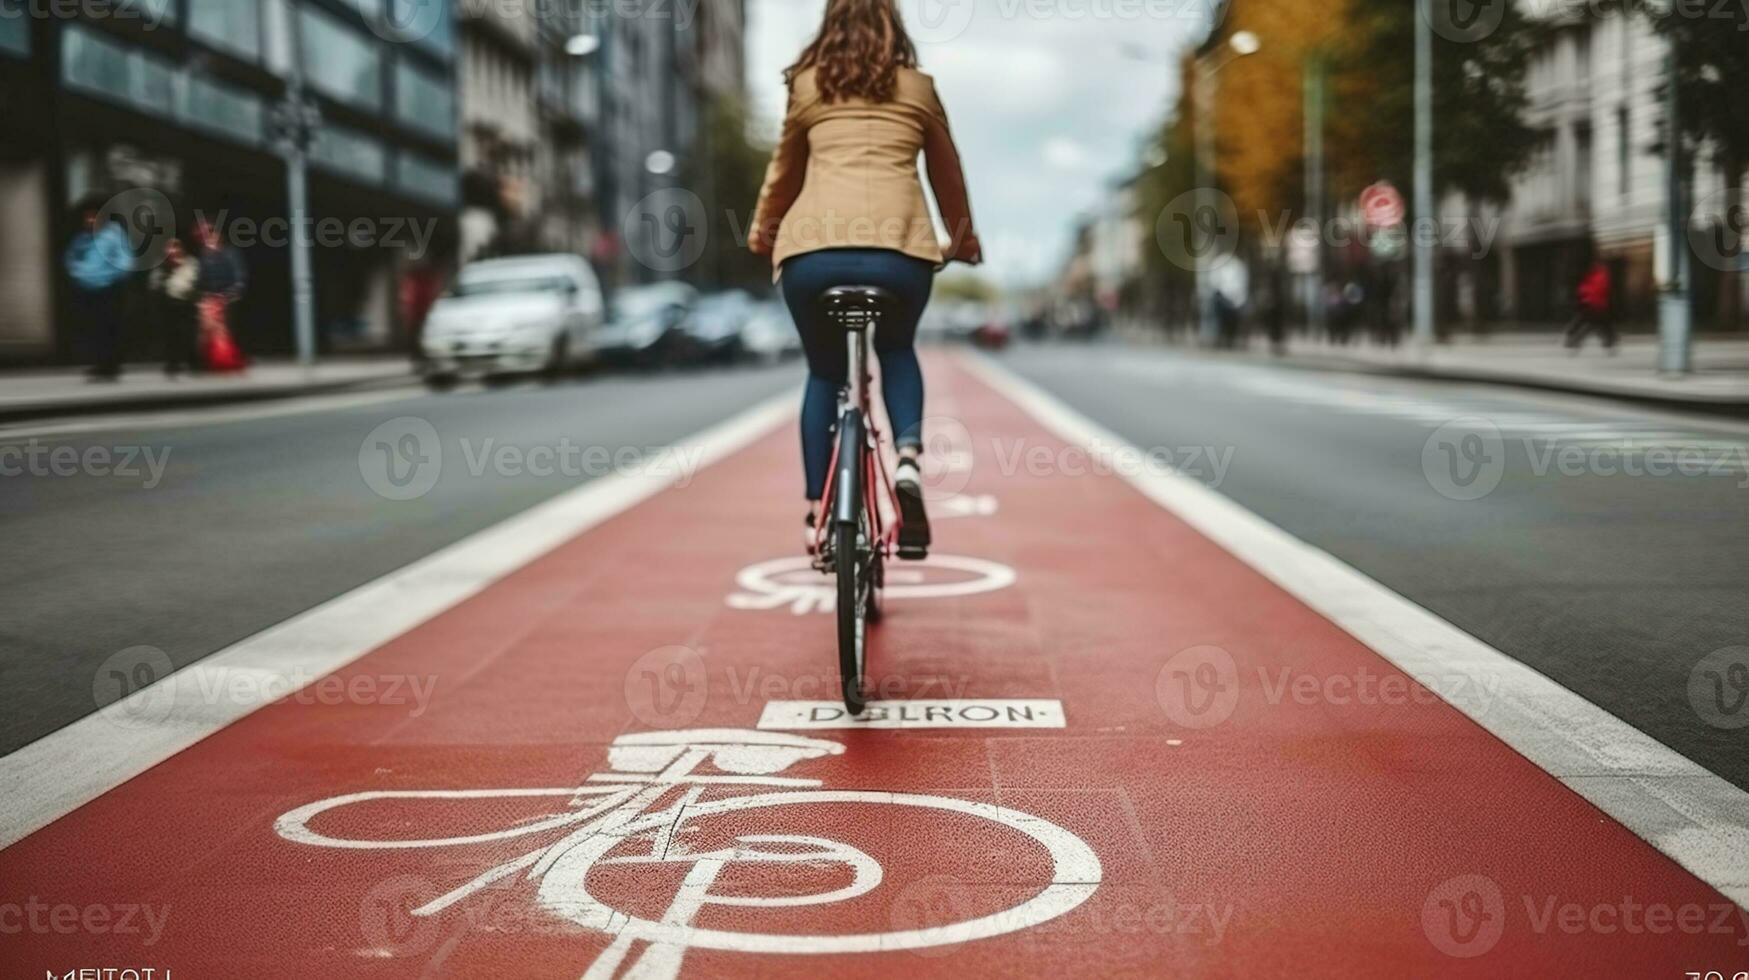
299 122
1422 232
1207 329
1675 334
1314 110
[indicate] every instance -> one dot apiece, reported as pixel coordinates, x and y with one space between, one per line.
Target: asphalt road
257 514
1613 584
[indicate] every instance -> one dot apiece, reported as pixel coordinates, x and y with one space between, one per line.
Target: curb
1733 406
242 394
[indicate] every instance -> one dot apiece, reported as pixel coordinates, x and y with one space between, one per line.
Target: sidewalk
46 393
1720 379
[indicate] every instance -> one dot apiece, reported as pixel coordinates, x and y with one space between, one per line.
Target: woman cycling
843 205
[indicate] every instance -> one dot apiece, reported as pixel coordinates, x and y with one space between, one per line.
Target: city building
574 113
179 98
496 84
1595 89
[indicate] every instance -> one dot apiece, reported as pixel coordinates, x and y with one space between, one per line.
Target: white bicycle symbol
619 807
795 583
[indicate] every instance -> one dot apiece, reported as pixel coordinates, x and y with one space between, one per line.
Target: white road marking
1685 811
795 583
602 821
60 772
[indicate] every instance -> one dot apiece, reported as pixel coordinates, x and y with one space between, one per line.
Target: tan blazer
844 175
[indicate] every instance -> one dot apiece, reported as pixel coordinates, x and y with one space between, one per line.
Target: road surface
1214 671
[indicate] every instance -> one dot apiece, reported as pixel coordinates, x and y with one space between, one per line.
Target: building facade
172 107
575 112
1598 181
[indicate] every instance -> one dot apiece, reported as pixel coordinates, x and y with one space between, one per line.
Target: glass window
427 23
158 11
230 25
97 64
427 179
14 28
208 104
424 101
350 152
339 61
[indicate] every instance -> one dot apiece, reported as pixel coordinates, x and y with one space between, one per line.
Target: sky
1049 100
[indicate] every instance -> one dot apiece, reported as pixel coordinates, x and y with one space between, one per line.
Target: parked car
716 324
952 321
770 335
510 316
646 325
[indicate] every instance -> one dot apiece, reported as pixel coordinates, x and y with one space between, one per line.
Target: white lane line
1690 814
60 772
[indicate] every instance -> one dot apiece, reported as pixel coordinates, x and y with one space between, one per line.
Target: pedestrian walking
220 283
172 287
1593 309
99 260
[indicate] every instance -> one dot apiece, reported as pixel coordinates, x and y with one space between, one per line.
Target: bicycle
856 535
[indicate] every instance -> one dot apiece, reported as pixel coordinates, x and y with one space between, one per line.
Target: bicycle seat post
858 310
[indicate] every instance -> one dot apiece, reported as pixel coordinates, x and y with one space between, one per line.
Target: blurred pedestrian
420 286
1381 298
221 282
99 260
1593 313
172 287
1275 311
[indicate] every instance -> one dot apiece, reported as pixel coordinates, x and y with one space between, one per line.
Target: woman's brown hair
861 47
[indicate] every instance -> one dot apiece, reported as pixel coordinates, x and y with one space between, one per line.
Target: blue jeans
805 278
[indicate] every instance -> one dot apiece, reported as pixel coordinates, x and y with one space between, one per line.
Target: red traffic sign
1382 205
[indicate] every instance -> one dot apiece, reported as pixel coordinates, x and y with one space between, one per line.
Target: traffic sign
1382 205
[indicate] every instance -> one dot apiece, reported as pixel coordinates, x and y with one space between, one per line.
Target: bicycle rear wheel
853 590
851 550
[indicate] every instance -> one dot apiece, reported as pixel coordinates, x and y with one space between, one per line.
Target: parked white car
770 335
515 315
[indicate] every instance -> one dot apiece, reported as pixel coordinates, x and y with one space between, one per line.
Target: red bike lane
1108 748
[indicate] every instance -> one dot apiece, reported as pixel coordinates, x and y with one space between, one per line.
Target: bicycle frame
877 497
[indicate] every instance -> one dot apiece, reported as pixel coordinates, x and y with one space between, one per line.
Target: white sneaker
909 475
914 537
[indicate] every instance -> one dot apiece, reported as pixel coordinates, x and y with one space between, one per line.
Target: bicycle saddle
854 306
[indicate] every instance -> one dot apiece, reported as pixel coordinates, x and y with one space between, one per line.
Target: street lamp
1423 293
1239 45
295 123
1675 314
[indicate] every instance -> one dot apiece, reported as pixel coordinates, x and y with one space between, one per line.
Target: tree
726 173
1481 137
967 287
1712 87
1158 187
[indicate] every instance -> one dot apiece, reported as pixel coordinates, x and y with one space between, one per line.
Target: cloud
1066 154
